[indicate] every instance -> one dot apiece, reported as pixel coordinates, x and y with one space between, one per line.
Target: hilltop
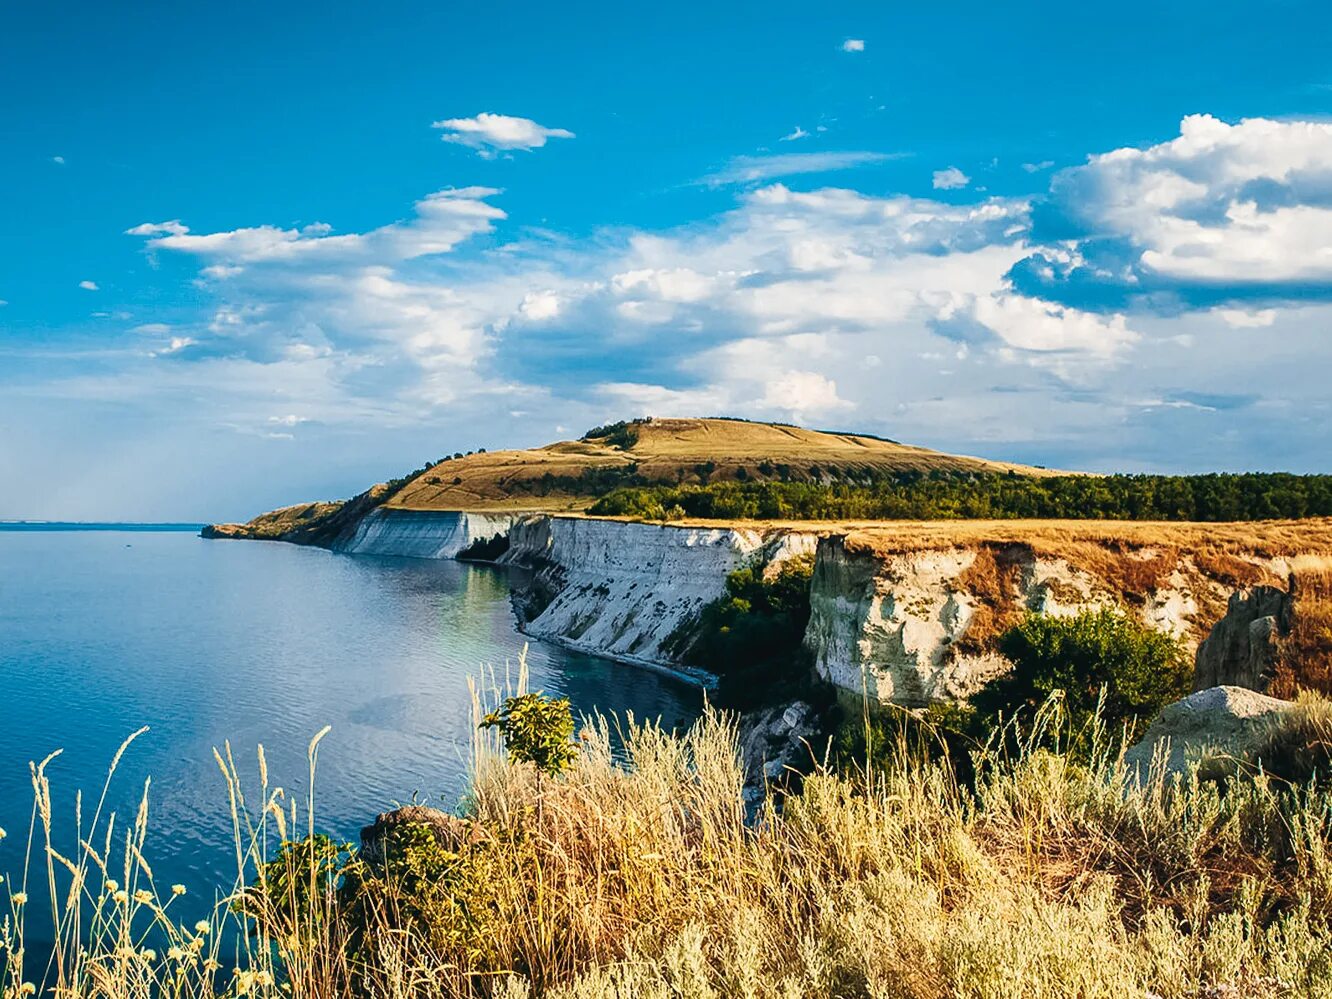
567 475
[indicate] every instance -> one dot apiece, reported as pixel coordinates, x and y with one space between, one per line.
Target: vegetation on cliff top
944 495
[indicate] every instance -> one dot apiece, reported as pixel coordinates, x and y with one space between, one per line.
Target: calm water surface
205 641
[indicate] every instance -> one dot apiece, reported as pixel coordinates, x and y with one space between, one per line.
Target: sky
257 254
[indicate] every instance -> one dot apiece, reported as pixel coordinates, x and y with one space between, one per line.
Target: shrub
1100 656
753 636
536 729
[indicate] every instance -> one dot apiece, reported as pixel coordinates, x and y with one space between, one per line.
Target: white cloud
1246 319
289 420
1244 205
803 394
752 169
1032 325
853 45
950 179
489 133
442 220
58 160
1038 167
151 329
88 285
794 134
171 228
540 305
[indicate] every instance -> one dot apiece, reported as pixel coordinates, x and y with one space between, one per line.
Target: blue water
205 641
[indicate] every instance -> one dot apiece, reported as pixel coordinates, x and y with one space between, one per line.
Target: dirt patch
993 580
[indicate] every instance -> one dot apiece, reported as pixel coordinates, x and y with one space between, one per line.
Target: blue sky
257 254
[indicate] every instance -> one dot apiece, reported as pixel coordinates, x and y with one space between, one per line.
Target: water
102 632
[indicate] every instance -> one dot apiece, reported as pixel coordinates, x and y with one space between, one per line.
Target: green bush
753 636
1100 657
536 729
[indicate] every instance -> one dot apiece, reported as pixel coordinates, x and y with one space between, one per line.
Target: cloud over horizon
1103 317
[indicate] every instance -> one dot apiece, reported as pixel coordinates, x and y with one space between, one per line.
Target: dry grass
671 451
1054 879
1304 655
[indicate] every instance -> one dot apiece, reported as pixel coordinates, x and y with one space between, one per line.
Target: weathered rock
1224 718
631 591
778 738
1242 646
421 533
449 831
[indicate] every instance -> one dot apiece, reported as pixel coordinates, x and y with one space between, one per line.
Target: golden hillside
567 474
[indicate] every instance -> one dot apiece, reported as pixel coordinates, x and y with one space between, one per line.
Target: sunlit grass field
641 871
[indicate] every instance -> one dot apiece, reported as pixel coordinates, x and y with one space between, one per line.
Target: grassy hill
568 475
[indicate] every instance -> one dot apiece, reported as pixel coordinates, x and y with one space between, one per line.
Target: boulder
449 831
1226 718
1242 647
778 738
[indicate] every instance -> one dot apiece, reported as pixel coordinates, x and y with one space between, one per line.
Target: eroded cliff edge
913 617
905 612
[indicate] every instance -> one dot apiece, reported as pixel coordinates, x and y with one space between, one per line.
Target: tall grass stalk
636 873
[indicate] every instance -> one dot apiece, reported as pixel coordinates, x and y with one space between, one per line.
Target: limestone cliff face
629 590
421 533
915 626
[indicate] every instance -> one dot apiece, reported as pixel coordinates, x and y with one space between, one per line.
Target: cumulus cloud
801 302
88 285
853 45
1222 213
754 169
950 179
490 134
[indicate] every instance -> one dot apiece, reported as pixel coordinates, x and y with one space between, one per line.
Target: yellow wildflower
178 889
120 896
20 897
202 926
143 896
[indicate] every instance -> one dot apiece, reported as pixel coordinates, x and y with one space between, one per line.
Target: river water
102 632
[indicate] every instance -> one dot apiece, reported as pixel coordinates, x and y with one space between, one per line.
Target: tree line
943 496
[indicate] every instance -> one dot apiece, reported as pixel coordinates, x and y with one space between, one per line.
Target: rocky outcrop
421 533
1242 647
912 625
888 626
630 590
1223 719
779 739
